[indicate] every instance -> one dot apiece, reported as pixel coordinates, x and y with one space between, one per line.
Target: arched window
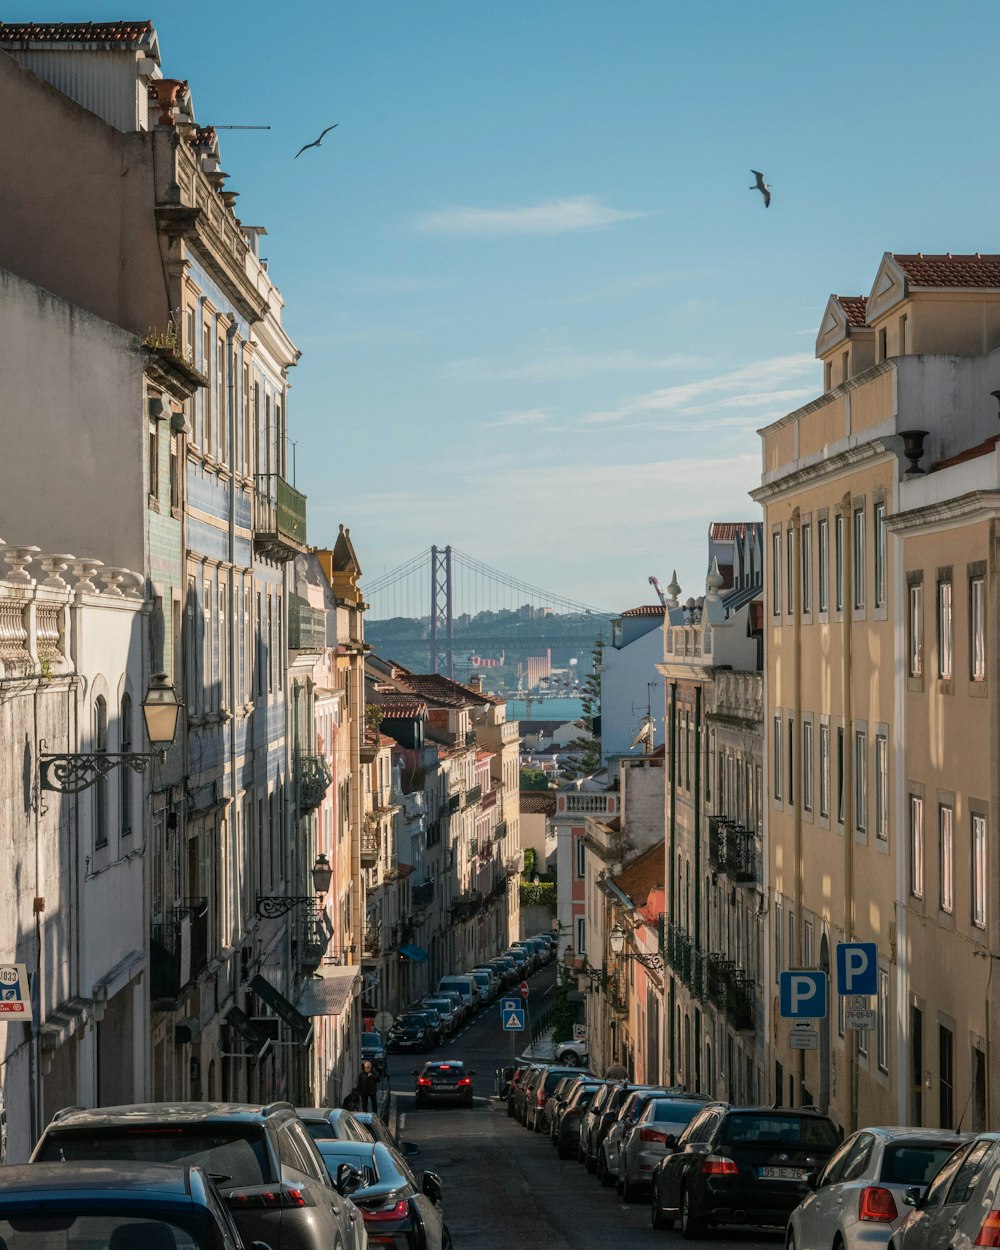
101 785
124 772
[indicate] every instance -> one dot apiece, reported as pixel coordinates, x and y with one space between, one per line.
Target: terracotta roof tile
967 270
538 803
971 453
647 609
855 309
643 874
401 706
74 32
729 531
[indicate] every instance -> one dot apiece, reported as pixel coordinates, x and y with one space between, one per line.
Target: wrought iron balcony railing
369 847
422 895
732 850
306 625
473 795
279 518
315 779
731 990
170 955
313 935
500 831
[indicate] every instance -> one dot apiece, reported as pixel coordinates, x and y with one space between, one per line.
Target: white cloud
564 367
582 212
531 416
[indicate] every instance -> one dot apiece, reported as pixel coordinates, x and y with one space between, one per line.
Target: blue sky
540 311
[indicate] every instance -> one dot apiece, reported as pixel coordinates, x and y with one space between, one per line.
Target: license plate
781 1174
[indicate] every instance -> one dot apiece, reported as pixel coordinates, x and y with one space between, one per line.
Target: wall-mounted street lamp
73 773
616 942
271 906
579 967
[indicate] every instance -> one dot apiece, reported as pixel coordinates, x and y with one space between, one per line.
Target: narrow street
504 1186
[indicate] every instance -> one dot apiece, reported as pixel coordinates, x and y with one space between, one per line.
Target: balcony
279 519
574 802
306 625
169 958
731 990
732 850
454 803
686 960
197 909
422 895
369 846
473 795
500 832
371 944
312 937
315 779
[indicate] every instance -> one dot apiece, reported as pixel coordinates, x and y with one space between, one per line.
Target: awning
416 953
330 994
297 1023
245 1027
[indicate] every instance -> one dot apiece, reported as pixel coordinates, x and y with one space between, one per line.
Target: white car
858 1196
573 1054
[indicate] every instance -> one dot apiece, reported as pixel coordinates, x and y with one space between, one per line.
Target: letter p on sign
857 968
802 995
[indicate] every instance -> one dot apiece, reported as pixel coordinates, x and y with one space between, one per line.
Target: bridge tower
442 617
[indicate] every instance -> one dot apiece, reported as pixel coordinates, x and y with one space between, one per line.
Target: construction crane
659 593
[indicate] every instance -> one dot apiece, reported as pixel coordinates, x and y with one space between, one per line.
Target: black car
740 1165
263 1162
601 1114
397 1212
570 1117
92 1204
411 1031
373 1048
448 1078
538 1090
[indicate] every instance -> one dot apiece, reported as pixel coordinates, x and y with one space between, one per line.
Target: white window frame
916 846
807 765
977 629
946 857
859 568
883 1021
581 858
776 573
861 780
805 539
882 787
946 630
824 770
823 564
916 629
838 561
881 555
778 758
979 876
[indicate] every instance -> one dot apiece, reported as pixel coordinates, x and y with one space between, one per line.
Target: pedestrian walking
368 1087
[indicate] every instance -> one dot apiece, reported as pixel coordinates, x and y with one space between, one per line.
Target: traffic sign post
524 991
513 1021
802 994
857 968
858 1015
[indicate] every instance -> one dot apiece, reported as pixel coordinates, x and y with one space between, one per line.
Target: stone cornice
811 474
975 505
821 401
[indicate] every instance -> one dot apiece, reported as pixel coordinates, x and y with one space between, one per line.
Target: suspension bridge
451 613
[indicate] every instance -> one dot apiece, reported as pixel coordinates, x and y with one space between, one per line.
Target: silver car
859 1197
653 1135
631 1109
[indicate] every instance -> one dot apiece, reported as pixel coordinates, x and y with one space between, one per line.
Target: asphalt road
505 1187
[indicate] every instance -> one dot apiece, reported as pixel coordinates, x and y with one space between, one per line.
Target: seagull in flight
761 186
316 142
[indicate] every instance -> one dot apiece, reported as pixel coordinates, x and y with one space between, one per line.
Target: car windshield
757 1129
675 1110
116 1230
232 1155
914 1162
413 1020
444 1069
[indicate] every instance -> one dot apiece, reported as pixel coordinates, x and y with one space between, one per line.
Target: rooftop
855 309
950 270
76 32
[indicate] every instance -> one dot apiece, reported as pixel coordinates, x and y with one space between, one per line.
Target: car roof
448 1063
125 1179
894 1132
168 1113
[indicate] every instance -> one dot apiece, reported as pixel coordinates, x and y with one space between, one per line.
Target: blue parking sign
857 968
802 994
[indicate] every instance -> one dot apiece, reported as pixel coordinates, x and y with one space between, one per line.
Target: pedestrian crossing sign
513 1020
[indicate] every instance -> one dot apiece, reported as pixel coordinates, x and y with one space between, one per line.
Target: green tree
533 779
586 757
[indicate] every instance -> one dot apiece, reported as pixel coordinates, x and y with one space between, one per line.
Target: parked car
438 1018
505 968
521 961
466 987
961 1205
411 1031
567 1128
515 1086
740 1165
601 1114
629 1111
457 1002
375 1127
653 1135
331 1122
447 1078
264 1163
488 982
89 1204
373 1048
397 1211
537 1095
572 1053
446 1008
531 959
556 1100
860 1196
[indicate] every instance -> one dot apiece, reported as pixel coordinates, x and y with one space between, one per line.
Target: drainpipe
671 890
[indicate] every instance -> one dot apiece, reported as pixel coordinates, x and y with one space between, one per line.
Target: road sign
524 991
858 1015
579 1032
15 998
857 968
383 1021
804 1039
802 994
513 1021
510 1004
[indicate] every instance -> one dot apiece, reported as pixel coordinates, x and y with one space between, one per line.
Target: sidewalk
542 1048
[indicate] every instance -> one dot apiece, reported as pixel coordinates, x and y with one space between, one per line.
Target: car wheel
656 1216
603 1175
692 1225
467 1102
790 1241
570 1058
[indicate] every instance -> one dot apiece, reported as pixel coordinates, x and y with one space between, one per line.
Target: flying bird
316 142
761 186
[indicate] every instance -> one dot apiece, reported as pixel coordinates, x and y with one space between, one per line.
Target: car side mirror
430 1183
911 1196
408 1149
670 1140
348 1179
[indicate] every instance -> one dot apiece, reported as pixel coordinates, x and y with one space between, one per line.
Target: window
977 629
902 334
883 343
220 391
778 965
223 644
806 568
884 1021
790 571
845 365
945 637
207 672
245 449
946 863
916 629
946 1070
124 772
581 936
581 857
776 573
823 564
270 643
860 780
881 555
916 846
175 472
840 774
882 786
101 785
859 568
838 556
808 941
824 770
979 871
154 458
206 393
807 765
777 758
190 335
791 760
